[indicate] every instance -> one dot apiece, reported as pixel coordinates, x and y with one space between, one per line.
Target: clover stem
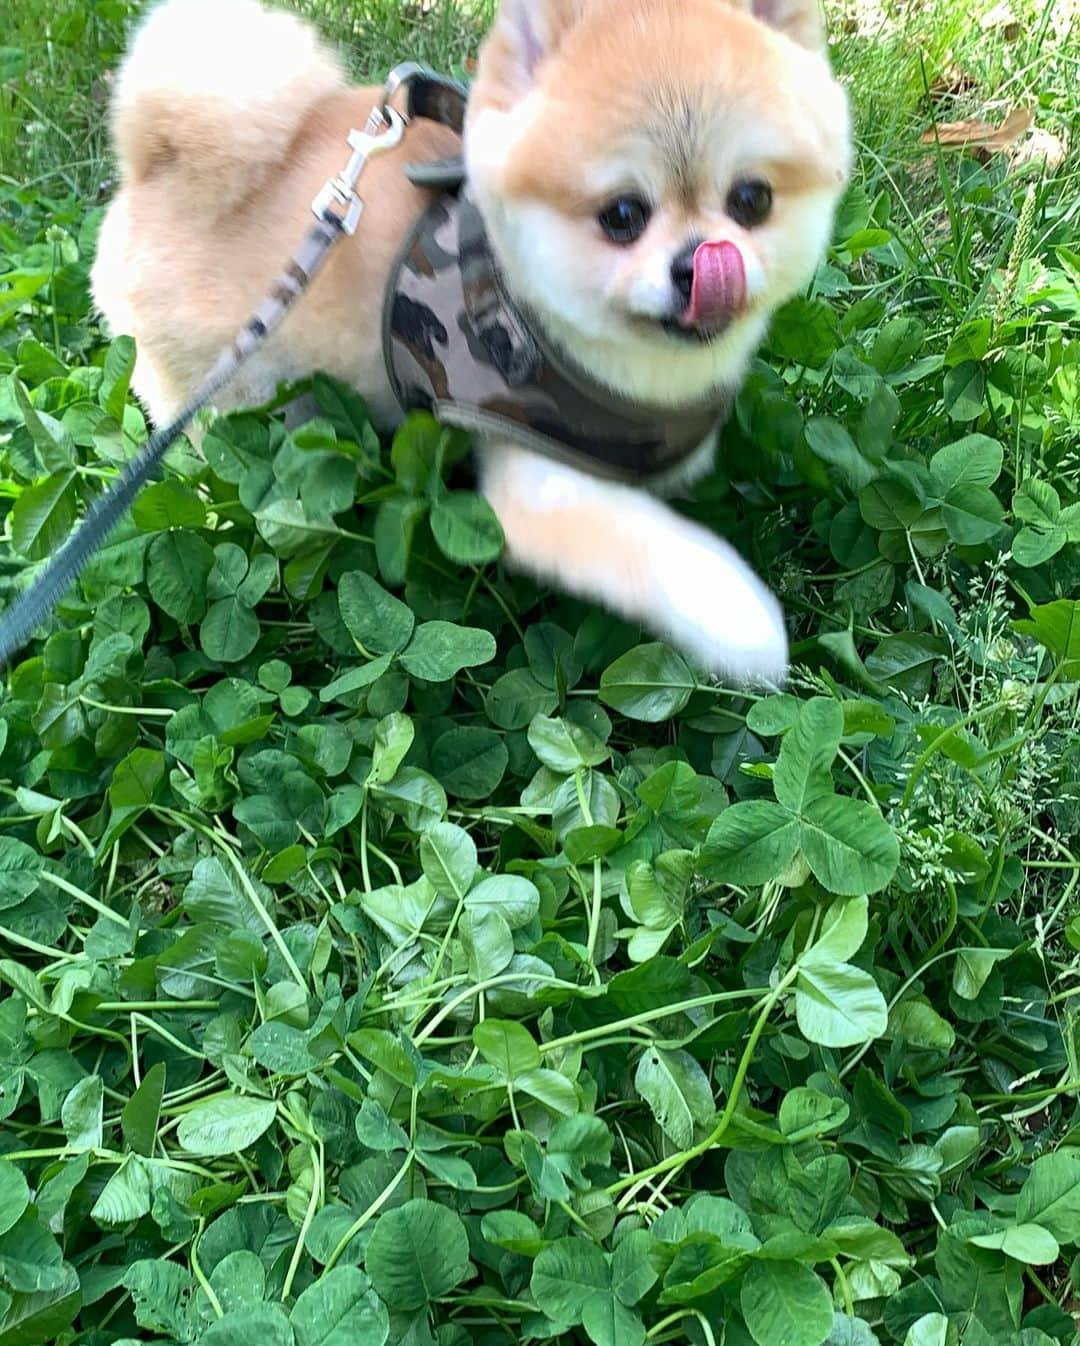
200 1276
216 838
80 896
595 912
596 907
309 1216
923 760
365 871
632 1185
368 1215
647 1016
845 1288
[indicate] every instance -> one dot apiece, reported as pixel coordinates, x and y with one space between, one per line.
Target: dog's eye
626 219
750 202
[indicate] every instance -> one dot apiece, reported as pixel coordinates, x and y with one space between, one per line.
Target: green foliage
392 953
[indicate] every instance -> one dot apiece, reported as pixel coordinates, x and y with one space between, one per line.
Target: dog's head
658 176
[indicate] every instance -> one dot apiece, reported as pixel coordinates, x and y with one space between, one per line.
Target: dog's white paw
718 611
633 553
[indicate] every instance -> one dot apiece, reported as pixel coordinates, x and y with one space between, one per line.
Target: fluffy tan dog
653 179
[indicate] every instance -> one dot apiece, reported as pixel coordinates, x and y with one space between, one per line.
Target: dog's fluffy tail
212 94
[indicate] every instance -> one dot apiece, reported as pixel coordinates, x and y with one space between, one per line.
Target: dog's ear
801 20
525 34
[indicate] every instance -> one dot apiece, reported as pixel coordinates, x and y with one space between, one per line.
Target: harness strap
442 100
337 209
456 343
438 175
436 98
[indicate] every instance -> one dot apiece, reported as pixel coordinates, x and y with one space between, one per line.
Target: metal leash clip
399 78
338 202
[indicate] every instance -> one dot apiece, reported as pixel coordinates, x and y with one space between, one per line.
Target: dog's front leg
624 548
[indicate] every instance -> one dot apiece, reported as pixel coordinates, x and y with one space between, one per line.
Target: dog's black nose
682 272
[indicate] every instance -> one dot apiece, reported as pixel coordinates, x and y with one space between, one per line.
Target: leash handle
337 209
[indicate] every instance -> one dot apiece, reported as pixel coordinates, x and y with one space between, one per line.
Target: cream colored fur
221 85
229 117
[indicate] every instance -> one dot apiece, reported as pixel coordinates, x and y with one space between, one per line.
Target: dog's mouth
695 336
714 292
674 327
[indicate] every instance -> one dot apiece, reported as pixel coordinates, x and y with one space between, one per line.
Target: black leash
337 209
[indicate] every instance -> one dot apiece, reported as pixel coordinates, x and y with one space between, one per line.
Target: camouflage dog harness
456 345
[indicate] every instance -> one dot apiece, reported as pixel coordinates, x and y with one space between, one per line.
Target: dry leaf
975 134
1040 147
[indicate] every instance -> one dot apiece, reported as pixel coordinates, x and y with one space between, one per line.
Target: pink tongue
719 289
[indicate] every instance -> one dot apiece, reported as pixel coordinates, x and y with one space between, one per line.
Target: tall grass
56 59
904 62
